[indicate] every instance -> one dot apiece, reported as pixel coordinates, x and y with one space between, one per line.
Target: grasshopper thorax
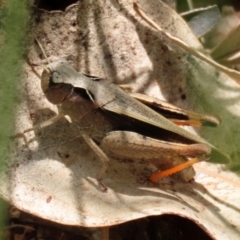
52 86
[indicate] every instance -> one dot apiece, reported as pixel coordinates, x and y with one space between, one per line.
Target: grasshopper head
53 87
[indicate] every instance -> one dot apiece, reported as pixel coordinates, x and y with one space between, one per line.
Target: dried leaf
108 39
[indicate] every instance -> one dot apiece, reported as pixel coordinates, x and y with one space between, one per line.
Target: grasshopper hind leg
169 157
176 169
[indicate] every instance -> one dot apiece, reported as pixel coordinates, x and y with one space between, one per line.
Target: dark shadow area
54 4
25 226
168 227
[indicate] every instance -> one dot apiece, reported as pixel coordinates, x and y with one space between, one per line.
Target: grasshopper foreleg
42 125
102 156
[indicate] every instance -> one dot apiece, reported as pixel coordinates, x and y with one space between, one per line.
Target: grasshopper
116 123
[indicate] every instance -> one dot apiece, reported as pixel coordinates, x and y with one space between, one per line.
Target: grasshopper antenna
45 56
43 52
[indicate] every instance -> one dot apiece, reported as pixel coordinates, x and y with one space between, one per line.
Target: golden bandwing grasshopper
116 123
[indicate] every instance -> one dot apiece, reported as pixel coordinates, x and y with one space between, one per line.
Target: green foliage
14 16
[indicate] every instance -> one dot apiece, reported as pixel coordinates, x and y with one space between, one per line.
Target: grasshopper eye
57 78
